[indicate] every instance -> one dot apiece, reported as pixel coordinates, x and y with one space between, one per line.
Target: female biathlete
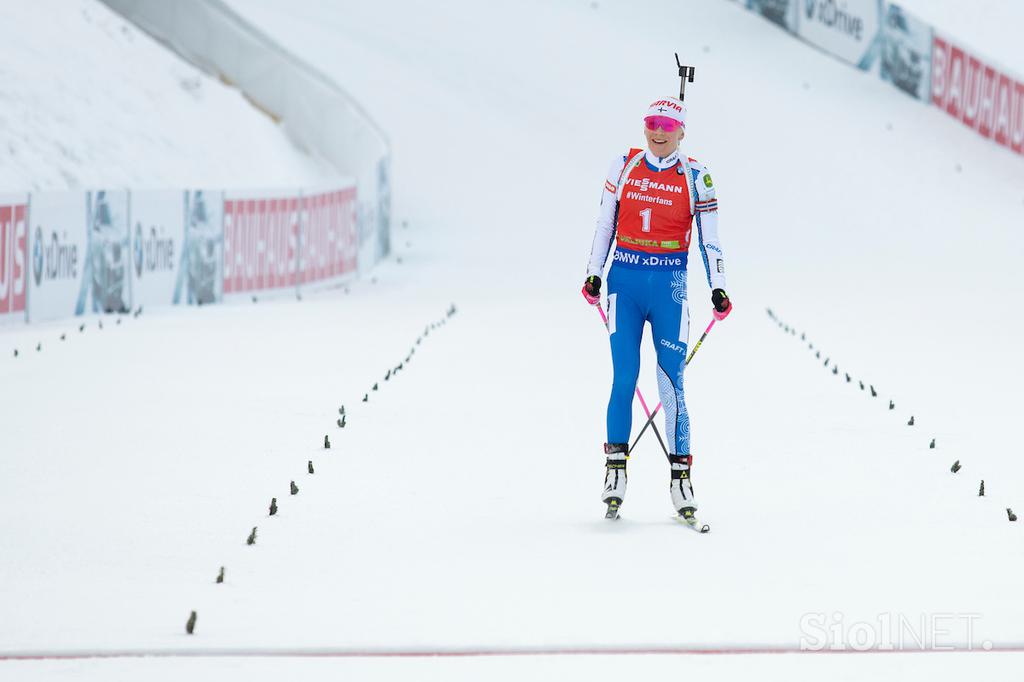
651 201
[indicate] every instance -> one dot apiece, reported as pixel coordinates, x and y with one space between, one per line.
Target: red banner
329 238
982 96
261 239
13 260
272 243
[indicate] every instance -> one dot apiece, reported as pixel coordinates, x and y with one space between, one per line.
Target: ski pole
700 341
650 420
643 403
650 417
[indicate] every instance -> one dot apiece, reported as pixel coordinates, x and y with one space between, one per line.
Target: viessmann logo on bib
646 183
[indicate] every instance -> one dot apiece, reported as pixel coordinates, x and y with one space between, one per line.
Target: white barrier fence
316 113
67 253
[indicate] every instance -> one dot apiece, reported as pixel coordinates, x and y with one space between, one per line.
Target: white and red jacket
650 204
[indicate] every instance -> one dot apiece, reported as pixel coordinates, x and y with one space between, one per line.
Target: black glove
592 289
723 306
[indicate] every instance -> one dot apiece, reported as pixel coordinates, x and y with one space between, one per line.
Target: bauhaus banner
978 93
13 256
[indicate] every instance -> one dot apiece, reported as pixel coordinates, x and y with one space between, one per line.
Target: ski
688 519
613 509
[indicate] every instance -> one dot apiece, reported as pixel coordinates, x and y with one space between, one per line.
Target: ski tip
692 523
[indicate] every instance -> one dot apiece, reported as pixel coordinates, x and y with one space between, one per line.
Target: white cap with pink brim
669 107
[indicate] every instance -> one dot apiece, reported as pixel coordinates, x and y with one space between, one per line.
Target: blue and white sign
906 52
848 29
158 233
200 277
80 254
781 12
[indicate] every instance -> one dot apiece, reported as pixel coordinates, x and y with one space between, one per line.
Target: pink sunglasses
669 125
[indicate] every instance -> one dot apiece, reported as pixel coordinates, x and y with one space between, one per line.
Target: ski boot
614 477
682 493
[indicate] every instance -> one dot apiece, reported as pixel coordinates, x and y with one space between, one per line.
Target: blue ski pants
648 288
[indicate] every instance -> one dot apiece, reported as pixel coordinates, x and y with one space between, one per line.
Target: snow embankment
988 27
89 100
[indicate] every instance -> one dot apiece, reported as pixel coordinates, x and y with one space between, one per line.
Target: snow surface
990 28
459 508
88 100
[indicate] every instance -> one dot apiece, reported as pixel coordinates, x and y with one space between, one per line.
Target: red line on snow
480 653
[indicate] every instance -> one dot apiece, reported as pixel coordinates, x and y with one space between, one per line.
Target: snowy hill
458 511
89 100
988 28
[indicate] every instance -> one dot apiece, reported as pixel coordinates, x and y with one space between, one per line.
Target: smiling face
662 143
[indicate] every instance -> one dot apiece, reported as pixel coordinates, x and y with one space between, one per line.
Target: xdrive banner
848 29
177 244
79 253
13 256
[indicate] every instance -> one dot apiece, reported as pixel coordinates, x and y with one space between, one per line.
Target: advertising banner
781 12
72 253
330 239
982 96
384 206
80 254
177 247
157 234
848 29
906 52
261 242
200 278
13 257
